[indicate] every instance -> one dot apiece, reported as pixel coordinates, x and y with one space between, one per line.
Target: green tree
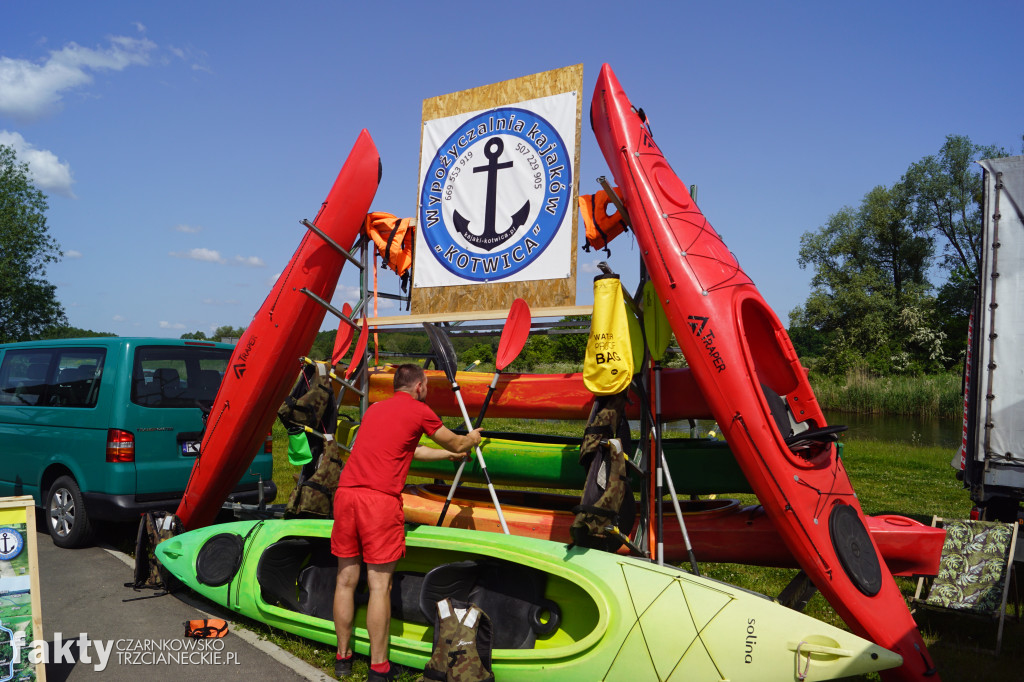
226 332
869 303
28 302
945 195
194 336
571 347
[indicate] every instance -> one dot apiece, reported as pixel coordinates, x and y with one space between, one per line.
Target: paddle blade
360 350
514 334
443 351
344 338
656 326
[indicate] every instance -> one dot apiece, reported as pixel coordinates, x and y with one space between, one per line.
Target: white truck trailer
992 453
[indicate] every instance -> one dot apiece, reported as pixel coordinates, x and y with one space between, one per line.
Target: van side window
77 382
176 376
23 376
51 377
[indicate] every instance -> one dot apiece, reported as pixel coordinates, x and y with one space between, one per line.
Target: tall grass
936 395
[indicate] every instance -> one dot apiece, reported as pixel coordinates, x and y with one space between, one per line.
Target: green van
104 429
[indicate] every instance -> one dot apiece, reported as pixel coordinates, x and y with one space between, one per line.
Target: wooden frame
18 515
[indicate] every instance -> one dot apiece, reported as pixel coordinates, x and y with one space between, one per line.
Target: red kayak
535 396
265 361
720 530
749 374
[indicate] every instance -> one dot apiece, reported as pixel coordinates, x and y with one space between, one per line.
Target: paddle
357 354
445 355
513 337
344 338
658 334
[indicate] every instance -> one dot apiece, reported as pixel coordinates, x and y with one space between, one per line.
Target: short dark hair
408 374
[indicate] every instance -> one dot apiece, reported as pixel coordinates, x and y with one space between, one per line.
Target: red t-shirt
385 443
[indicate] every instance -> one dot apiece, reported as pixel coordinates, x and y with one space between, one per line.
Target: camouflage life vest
154 528
312 404
462 644
607 507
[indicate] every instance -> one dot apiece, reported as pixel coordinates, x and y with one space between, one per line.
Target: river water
917 430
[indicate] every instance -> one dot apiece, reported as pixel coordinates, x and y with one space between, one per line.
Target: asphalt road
83 599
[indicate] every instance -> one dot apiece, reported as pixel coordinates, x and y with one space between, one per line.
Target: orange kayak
536 396
720 530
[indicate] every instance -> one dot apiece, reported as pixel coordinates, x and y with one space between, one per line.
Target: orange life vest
601 227
393 238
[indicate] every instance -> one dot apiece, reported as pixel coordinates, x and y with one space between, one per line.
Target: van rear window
52 377
177 376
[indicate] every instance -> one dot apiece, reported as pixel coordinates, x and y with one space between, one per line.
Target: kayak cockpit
299 573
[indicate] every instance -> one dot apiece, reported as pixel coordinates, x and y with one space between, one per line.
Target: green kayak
557 614
699 466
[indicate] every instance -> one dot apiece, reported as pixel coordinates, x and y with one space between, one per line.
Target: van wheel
66 518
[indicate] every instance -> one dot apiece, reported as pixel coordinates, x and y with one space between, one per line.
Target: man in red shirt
368 520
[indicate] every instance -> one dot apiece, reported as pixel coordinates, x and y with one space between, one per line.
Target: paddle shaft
658 469
479 458
663 470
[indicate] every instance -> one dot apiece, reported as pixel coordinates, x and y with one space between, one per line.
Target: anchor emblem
491 238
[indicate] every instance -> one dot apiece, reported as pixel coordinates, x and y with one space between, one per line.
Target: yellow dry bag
609 364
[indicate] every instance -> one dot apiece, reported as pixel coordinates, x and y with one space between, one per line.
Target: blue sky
181 143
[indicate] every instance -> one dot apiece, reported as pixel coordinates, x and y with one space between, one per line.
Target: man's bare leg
378 611
344 602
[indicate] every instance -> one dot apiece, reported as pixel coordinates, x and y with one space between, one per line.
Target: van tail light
268 444
120 446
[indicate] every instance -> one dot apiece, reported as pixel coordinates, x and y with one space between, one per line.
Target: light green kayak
557 614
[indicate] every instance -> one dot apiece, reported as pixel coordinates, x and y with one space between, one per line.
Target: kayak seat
278 571
300 574
510 594
798 436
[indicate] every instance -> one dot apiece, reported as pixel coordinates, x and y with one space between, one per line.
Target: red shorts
368 523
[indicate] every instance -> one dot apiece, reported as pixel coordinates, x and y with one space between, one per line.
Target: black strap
597 511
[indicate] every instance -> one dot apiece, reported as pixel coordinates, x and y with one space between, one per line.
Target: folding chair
974 571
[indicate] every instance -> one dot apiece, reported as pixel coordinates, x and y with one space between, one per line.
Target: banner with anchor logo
496 194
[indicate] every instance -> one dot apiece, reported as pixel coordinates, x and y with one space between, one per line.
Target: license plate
190 448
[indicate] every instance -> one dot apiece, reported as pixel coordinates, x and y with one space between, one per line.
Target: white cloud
164 324
48 172
250 261
589 267
188 229
200 254
118 318
71 253
30 90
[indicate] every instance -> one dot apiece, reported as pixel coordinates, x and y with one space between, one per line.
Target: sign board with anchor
20 613
497 195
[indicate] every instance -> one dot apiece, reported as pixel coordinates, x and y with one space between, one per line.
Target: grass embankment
912 480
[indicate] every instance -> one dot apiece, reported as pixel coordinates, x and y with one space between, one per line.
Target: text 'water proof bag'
609 363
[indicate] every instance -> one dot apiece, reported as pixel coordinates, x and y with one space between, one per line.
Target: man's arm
455 442
425 453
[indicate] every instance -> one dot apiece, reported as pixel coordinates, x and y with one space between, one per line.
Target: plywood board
560 291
